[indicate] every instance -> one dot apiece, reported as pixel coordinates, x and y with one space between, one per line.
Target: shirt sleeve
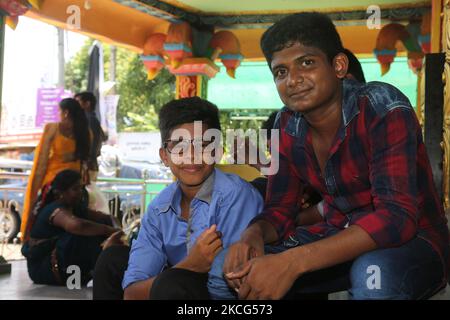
243 204
283 191
393 143
147 258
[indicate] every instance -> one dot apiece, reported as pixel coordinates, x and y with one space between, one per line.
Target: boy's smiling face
183 167
305 78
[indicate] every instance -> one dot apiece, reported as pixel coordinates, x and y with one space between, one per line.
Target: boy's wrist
295 261
252 233
188 264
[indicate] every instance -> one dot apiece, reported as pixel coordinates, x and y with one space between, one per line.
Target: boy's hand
115 239
205 249
239 254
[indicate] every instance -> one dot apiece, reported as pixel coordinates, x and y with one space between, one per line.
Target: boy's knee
374 276
179 284
109 271
114 257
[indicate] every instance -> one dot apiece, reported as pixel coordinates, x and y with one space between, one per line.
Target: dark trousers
71 250
171 284
108 273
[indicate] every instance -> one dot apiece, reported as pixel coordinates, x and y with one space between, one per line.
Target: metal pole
112 67
61 60
2 50
5 267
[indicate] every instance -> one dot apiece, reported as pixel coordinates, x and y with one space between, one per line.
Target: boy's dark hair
354 67
87 96
311 29
269 123
187 110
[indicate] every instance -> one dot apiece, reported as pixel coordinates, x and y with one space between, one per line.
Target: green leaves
140 99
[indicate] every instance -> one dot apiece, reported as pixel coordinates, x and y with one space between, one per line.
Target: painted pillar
190 86
446 112
192 77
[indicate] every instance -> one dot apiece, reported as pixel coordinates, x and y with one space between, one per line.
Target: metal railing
127 198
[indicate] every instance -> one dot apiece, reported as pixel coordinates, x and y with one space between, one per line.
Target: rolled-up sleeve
393 175
147 258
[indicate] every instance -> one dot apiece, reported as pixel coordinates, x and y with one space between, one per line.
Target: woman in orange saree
63 145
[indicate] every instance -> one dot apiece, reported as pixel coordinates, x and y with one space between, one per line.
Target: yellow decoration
12 22
36 3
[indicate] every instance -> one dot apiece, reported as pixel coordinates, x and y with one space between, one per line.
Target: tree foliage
140 98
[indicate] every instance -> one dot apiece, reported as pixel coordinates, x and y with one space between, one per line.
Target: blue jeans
409 272
217 285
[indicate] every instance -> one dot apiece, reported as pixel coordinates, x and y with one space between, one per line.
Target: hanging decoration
12 9
187 52
178 44
153 57
230 50
415 37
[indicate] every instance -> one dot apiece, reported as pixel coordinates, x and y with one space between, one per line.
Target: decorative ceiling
128 23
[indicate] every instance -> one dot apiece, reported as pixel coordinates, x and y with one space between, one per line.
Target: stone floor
18 286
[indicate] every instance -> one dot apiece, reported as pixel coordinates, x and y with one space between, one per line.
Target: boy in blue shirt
186 230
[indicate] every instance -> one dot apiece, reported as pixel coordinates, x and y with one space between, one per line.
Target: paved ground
10 251
18 286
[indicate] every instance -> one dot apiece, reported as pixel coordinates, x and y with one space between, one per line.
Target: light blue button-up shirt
224 199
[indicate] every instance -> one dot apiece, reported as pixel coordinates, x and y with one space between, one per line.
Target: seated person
382 232
65 232
308 196
188 227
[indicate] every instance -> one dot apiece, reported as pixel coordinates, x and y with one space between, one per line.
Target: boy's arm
147 259
271 276
199 259
139 290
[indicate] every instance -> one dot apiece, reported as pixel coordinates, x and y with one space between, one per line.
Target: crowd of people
354 189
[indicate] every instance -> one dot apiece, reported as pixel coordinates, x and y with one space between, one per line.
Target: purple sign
47 105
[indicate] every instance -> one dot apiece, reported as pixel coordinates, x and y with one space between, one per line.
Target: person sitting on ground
381 231
65 233
187 228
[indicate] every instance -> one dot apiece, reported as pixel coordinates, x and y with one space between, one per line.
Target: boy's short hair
87 96
187 110
311 29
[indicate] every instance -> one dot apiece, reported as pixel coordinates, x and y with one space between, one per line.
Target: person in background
354 70
63 145
88 102
65 233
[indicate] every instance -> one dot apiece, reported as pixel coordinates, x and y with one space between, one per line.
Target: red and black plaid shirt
377 176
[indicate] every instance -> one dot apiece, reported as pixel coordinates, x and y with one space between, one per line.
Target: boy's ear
163 156
340 63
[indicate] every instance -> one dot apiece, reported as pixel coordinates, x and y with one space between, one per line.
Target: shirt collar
350 95
297 125
173 198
